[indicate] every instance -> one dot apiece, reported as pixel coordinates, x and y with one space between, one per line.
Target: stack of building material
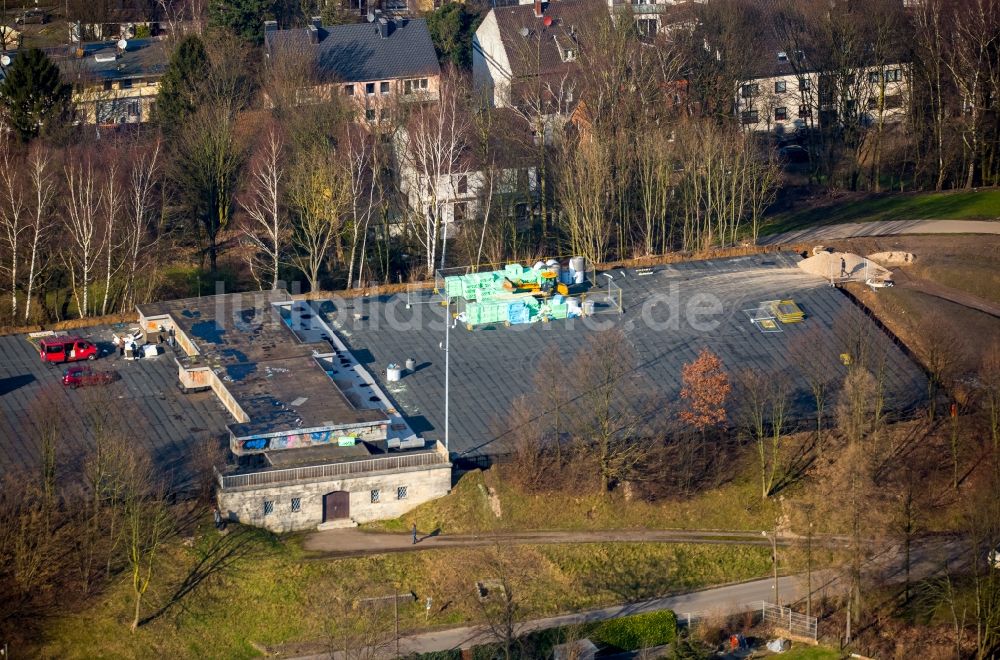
787 311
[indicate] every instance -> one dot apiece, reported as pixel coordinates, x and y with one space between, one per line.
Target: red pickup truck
66 349
84 376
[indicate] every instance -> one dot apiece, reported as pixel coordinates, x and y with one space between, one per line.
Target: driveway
881 228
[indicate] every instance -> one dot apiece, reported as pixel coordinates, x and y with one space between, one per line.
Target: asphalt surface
353 542
881 228
669 314
145 402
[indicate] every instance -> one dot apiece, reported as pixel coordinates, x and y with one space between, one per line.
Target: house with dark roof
371 65
113 82
530 51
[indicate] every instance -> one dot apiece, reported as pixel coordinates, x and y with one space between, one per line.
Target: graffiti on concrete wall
296 440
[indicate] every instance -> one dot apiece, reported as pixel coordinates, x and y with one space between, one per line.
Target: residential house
526 55
506 178
654 17
113 83
371 65
784 93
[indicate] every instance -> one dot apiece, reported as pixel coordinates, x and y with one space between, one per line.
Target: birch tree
114 203
14 222
435 139
83 209
43 190
267 229
140 237
365 158
319 196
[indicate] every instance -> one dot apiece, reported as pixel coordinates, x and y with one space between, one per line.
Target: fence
795 623
330 470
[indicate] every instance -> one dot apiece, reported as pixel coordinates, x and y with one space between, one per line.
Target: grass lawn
275 597
804 652
734 506
971 205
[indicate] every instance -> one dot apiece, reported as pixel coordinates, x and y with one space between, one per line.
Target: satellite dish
5 60
525 32
371 17
122 44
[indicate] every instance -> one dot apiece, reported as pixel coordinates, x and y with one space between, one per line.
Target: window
780 86
125 84
874 77
107 85
415 85
268 507
780 114
850 107
463 185
750 117
893 101
348 90
749 90
370 114
804 85
383 88
296 504
401 493
646 27
893 75
370 89
873 103
805 111
375 494
132 108
850 80
383 114
460 211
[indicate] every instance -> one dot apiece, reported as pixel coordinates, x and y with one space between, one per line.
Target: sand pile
843 266
892 258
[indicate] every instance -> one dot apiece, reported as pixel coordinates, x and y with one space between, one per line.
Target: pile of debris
846 267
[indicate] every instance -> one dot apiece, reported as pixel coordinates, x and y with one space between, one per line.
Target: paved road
353 542
928 558
881 228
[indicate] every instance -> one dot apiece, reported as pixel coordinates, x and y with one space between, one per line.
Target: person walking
414 533
843 267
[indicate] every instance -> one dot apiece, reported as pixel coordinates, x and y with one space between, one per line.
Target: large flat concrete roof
146 403
273 376
491 366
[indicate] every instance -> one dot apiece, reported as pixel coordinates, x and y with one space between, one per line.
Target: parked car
85 376
794 153
32 16
67 349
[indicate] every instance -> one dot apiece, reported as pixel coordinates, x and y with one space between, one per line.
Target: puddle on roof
209 331
239 356
187 313
237 372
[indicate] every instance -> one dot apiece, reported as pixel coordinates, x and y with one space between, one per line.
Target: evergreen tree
181 84
244 18
451 27
33 95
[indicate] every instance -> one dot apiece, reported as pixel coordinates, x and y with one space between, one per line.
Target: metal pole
395 611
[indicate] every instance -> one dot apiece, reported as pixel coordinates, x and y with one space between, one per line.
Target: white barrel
588 307
552 262
572 305
577 264
539 265
393 373
578 277
411 364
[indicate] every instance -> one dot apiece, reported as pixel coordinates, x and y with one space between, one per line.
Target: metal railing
788 619
329 470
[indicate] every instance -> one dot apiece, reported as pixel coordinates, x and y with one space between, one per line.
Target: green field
275 598
972 205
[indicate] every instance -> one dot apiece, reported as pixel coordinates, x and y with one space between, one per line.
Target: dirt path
353 542
881 228
907 281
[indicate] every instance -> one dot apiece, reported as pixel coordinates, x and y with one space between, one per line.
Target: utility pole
395 611
447 365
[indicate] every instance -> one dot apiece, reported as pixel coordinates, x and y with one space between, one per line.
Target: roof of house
142 58
358 52
533 48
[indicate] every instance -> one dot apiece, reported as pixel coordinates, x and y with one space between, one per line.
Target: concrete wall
490 66
422 485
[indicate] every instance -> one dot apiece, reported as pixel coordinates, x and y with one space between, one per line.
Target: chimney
317 21
385 27
538 8
313 34
270 26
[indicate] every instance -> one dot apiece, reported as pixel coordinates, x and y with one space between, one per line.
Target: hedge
638 631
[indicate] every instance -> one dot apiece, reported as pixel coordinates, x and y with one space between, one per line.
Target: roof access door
336 505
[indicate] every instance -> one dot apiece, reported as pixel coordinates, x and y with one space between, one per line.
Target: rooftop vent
105 57
782 56
385 27
317 21
270 26
313 34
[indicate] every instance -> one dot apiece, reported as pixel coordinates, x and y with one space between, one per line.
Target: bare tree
267 229
140 237
83 211
13 222
319 196
765 406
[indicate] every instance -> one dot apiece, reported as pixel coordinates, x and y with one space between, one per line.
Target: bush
640 631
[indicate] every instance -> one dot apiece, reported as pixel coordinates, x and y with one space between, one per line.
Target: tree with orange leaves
706 387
